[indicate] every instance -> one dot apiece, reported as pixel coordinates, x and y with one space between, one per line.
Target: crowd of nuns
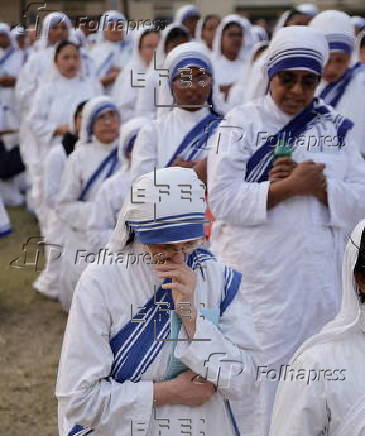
230 155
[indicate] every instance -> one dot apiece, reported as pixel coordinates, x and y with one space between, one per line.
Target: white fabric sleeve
230 198
228 358
53 169
38 119
72 212
84 390
144 156
300 407
346 197
145 104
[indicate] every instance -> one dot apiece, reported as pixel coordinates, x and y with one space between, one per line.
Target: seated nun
343 83
113 191
164 343
180 137
93 161
52 111
286 186
323 389
48 281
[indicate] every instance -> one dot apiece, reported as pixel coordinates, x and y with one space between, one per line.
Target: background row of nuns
217 97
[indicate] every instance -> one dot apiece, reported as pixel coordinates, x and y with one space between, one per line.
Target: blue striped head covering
297 48
185 12
91 112
166 206
49 21
336 26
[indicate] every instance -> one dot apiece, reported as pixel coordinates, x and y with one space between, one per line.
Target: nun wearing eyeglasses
114 190
343 83
286 186
192 114
133 356
330 398
111 52
94 160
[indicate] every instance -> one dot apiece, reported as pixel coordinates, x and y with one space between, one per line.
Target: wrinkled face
192 87
113 31
208 32
57 32
174 253
292 91
68 61
106 127
174 42
232 40
4 40
337 64
299 20
190 23
149 44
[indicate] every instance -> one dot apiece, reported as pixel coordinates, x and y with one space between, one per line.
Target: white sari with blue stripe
108 367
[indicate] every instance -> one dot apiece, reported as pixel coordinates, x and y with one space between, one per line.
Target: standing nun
113 192
327 392
188 16
343 84
94 160
126 87
206 29
133 355
231 51
111 52
5 227
286 185
147 99
180 137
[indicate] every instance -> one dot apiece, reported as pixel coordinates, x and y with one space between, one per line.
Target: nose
297 88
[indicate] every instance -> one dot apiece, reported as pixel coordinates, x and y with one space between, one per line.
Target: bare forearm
278 192
163 393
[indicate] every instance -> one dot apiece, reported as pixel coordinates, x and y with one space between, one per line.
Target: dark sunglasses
289 79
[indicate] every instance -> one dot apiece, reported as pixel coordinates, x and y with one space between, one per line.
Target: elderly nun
180 137
130 80
94 160
324 392
343 84
145 341
286 185
113 192
111 52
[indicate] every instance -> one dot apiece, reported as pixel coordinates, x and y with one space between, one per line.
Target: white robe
324 406
105 209
352 106
157 142
5 227
101 307
289 255
148 95
73 214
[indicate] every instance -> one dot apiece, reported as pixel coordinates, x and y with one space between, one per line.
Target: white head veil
292 48
106 18
349 316
337 28
359 37
192 53
128 133
158 212
248 40
185 12
90 113
49 21
358 22
305 8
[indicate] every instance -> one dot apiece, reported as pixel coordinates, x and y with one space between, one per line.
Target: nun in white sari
5 227
325 392
286 235
192 116
94 160
132 359
111 53
129 81
188 16
343 84
113 191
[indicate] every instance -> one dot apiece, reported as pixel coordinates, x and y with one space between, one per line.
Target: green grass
31 331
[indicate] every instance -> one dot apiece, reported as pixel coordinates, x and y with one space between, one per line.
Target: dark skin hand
110 77
7 81
199 166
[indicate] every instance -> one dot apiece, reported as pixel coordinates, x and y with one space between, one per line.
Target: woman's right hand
61 130
187 388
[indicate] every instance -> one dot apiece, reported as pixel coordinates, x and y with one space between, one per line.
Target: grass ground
31 331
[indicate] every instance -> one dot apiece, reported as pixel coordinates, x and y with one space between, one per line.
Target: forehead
298 73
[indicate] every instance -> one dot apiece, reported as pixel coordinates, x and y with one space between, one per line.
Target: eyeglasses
289 79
